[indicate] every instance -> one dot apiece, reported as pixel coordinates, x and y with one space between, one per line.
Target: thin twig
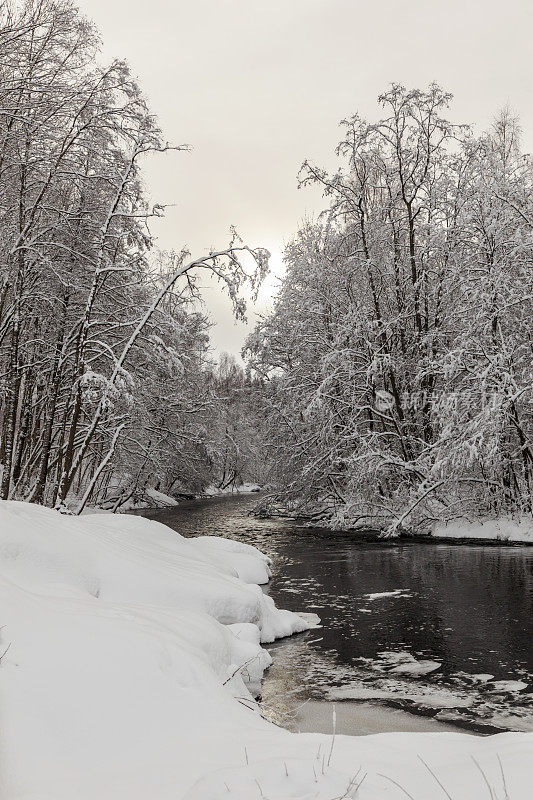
478 765
333 737
387 778
504 782
242 666
5 651
448 795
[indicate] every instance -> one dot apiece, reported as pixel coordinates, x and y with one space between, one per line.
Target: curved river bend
414 636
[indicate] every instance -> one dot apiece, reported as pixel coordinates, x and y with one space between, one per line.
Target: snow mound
129 662
132 559
252 566
160 498
313 620
119 637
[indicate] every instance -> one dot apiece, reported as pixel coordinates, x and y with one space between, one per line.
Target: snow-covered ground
153 498
147 498
504 529
128 660
244 488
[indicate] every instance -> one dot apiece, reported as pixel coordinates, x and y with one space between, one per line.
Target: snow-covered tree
94 327
399 351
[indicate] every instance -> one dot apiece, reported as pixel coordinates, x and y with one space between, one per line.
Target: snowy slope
129 657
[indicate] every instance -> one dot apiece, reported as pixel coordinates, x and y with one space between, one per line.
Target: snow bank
160 498
128 661
502 529
134 560
252 565
141 498
244 488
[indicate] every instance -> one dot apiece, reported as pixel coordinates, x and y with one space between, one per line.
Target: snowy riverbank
130 657
153 498
502 529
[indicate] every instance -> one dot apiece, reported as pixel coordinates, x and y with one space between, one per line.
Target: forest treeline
391 385
398 358
107 385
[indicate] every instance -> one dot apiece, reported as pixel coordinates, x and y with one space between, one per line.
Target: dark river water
413 636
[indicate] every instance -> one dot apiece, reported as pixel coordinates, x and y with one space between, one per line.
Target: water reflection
469 608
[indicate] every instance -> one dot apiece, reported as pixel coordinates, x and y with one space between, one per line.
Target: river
414 636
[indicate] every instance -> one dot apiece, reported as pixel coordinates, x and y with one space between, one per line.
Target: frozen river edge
130 657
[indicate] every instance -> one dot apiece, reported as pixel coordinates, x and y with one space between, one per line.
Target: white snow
160 498
130 656
313 620
502 529
244 488
251 565
143 498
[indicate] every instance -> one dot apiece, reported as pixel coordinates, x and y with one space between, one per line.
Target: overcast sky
257 86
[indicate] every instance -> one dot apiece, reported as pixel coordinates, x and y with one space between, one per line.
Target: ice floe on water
481 677
430 698
409 681
392 593
507 686
477 701
404 663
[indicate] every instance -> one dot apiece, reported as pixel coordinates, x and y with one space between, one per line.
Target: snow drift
129 661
